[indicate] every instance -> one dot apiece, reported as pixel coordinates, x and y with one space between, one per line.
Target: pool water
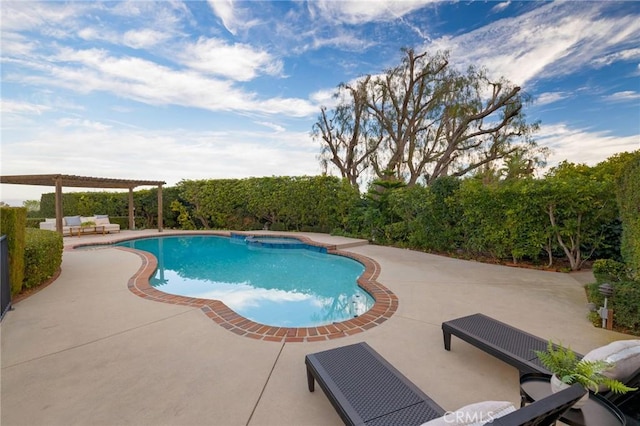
292 287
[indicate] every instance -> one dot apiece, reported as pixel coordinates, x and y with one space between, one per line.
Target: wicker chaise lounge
366 390
507 343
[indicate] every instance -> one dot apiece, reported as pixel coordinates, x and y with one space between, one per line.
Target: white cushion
625 354
53 220
476 414
102 221
51 226
72 220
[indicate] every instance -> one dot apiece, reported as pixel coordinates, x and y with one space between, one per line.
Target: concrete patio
86 351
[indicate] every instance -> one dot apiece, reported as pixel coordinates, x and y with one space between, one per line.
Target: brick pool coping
385 305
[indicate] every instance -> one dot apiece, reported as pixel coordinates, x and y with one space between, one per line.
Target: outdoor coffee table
597 411
81 230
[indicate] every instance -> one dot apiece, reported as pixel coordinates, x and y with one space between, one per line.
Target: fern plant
564 363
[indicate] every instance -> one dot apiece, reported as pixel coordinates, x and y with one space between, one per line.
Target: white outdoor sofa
69 222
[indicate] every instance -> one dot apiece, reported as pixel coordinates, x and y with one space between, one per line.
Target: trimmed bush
12 224
34 222
626 306
42 256
609 270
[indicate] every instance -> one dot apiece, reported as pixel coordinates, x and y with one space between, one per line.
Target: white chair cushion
625 354
476 414
72 221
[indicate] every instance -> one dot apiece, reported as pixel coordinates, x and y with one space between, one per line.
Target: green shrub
609 270
34 222
123 221
593 294
13 224
42 256
626 306
277 226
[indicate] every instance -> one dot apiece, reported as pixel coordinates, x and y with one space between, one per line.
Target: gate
5 287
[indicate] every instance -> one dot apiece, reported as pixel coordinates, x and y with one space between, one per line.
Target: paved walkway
86 351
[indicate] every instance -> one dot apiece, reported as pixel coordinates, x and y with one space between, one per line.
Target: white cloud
624 96
139 38
45 17
500 6
14 44
17 107
143 39
553 39
233 17
239 62
224 10
581 145
276 127
76 122
624 55
359 12
325 98
550 97
147 82
339 39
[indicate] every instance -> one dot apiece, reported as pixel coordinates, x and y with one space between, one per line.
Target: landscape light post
606 314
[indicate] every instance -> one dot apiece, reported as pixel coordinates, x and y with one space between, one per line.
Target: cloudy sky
174 90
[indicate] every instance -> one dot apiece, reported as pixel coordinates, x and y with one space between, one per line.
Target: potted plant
87 224
567 369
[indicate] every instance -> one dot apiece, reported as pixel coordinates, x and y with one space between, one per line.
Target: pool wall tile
385 305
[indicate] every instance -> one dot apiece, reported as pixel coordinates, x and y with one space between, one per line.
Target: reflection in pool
278 287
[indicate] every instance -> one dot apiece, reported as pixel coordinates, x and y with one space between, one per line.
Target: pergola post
59 204
160 225
132 220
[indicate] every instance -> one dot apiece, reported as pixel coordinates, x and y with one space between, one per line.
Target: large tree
348 134
425 119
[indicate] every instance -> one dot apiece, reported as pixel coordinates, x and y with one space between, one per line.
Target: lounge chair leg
447 340
310 380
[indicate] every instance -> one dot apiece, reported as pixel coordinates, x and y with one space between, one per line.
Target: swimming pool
292 287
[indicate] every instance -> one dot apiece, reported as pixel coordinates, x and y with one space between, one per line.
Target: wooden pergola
58 181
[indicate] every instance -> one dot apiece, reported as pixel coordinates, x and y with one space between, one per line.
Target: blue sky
175 90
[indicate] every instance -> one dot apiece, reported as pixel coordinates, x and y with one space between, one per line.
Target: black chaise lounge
517 348
507 343
366 390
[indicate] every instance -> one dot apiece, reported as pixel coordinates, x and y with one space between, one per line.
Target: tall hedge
13 222
629 205
301 203
86 203
42 256
504 221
